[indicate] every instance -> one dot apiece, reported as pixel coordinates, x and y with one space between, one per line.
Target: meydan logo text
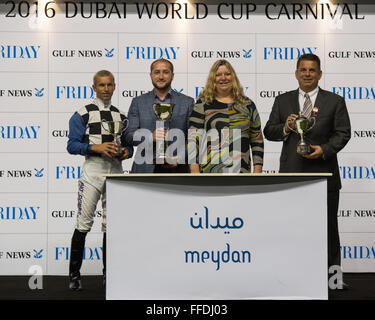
205 223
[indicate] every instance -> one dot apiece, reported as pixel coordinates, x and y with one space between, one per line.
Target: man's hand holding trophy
116 128
301 125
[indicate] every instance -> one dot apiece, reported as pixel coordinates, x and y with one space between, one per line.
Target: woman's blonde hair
209 91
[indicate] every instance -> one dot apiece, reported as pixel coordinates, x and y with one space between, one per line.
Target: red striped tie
307 106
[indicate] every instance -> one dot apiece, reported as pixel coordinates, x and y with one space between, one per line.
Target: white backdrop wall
46 67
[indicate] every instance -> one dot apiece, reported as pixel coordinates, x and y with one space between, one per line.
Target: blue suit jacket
141 116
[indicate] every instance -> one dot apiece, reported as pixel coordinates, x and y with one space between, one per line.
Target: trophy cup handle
102 123
287 124
125 126
312 122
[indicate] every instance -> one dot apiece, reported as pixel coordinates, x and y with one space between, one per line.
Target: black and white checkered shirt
93 115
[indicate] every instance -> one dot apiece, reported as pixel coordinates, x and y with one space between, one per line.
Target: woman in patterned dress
224 126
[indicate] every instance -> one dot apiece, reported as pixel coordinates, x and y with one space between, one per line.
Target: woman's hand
194 168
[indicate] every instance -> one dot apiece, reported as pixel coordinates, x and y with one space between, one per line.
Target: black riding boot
76 257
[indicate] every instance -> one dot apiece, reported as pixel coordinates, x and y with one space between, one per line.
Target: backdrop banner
50 51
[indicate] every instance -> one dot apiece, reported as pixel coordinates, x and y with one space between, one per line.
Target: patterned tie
307 106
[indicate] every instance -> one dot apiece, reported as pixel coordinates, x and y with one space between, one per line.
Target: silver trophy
163 112
303 125
116 128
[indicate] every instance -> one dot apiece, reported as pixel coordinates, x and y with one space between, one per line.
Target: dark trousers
334 255
181 168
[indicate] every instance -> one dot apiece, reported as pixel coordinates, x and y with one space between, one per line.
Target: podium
217 236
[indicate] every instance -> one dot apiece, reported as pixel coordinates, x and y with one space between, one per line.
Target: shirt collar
168 95
101 104
311 93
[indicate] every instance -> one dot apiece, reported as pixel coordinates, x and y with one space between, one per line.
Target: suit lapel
148 109
295 102
320 101
174 98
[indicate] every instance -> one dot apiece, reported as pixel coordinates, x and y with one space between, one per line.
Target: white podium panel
174 238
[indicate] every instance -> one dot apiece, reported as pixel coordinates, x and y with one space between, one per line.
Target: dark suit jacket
141 116
331 132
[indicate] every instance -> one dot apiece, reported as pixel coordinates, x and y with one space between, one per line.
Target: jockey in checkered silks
88 137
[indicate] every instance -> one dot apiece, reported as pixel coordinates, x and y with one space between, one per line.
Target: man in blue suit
143 132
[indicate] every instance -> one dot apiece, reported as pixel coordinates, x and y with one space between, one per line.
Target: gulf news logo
23 92
223 54
22 255
84 53
23 173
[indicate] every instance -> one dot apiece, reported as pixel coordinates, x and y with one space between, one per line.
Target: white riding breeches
91 186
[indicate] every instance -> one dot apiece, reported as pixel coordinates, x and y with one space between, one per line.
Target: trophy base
119 152
303 149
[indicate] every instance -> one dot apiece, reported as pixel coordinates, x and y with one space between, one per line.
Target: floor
15 295
361 287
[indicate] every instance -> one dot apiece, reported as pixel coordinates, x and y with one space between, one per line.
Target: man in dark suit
329 135
142 130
